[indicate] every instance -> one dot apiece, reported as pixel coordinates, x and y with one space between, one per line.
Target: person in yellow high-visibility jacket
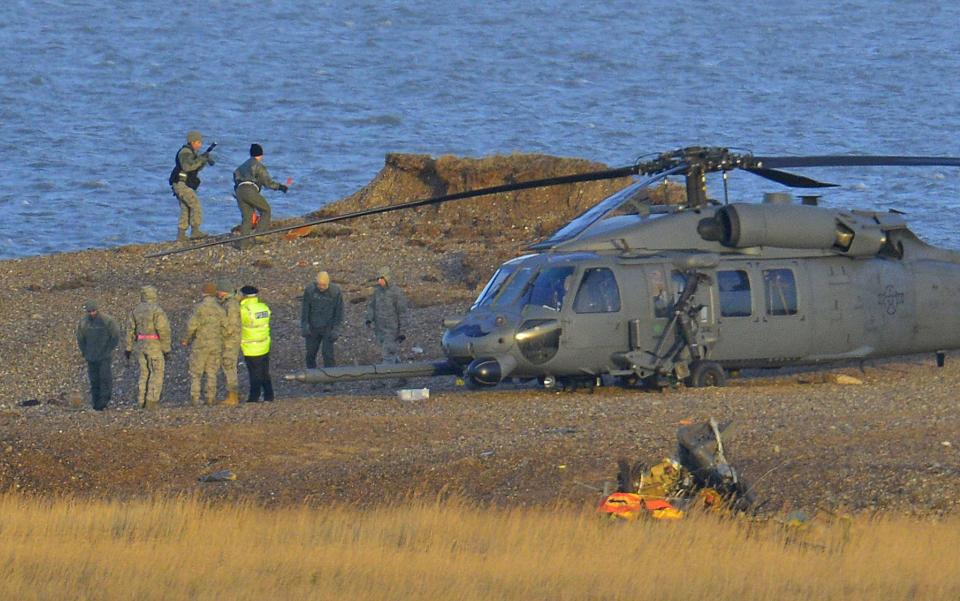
255 343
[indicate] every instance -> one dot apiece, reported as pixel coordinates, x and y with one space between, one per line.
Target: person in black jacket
321 318
97 336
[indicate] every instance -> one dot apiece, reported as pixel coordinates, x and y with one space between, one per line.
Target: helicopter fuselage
610 303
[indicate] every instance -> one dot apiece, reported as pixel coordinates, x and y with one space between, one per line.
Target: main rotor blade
855 161
536 183
583 221
789 179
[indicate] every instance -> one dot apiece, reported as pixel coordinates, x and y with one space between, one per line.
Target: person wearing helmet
231 338
205 337
148 333
184 181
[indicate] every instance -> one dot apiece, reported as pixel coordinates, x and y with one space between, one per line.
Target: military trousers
389 348
190 212
229 365
319 341
101 383
258 368
249 200
150 384
204 363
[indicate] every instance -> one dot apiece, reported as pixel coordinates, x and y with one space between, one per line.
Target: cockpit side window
734 289
598 292
550 287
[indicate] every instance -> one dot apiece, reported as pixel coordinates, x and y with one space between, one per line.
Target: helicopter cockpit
530 309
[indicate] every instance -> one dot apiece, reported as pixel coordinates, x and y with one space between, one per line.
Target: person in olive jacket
97 336
321 318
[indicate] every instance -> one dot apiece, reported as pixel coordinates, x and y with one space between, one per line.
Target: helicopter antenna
726 192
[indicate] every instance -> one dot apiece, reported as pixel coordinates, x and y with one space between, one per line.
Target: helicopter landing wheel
705 374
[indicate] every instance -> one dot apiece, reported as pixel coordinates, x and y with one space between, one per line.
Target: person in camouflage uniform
205 332
148 333
231 338
384 314
184 181
97 336
248 179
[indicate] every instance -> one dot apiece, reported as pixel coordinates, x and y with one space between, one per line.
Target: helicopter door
761 318
593 327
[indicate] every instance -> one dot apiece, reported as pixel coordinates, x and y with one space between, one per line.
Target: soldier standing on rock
321 317
384 314
205 331
148 332
184 180
231 338
248 179
97 336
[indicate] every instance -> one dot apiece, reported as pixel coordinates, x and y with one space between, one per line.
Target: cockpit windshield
516 287
492 289
550 287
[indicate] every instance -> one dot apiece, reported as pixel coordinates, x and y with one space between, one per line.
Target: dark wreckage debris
698 476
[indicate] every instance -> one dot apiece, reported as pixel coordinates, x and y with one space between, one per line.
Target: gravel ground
890 443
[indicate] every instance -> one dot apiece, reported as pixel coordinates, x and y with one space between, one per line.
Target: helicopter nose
492 371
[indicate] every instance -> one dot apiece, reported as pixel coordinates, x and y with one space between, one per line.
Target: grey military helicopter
664 294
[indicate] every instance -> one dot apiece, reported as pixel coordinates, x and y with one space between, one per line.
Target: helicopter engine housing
794 226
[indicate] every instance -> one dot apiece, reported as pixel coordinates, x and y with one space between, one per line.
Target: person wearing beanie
321 317
255 343
385 314
231 338
148 333
205 332
184 181
248 180
97 336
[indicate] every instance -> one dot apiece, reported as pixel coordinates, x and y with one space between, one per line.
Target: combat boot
232 400
181 235
196 234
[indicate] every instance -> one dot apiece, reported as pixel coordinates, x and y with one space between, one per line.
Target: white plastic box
413 394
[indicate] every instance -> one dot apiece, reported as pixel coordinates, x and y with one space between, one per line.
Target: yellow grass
174 549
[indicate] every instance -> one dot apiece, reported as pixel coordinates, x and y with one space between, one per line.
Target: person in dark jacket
248 180
321 318
97 336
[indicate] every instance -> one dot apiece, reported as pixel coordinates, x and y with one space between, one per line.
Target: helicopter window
781 291
734 288
658 291
516 288
493 287
598 292
550 287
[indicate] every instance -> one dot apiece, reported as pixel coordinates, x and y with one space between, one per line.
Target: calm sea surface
96 97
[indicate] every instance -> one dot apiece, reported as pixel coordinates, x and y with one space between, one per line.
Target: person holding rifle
184 181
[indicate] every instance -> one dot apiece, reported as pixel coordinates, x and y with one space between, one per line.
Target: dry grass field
173 549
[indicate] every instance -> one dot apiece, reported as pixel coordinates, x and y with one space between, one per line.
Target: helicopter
655 295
